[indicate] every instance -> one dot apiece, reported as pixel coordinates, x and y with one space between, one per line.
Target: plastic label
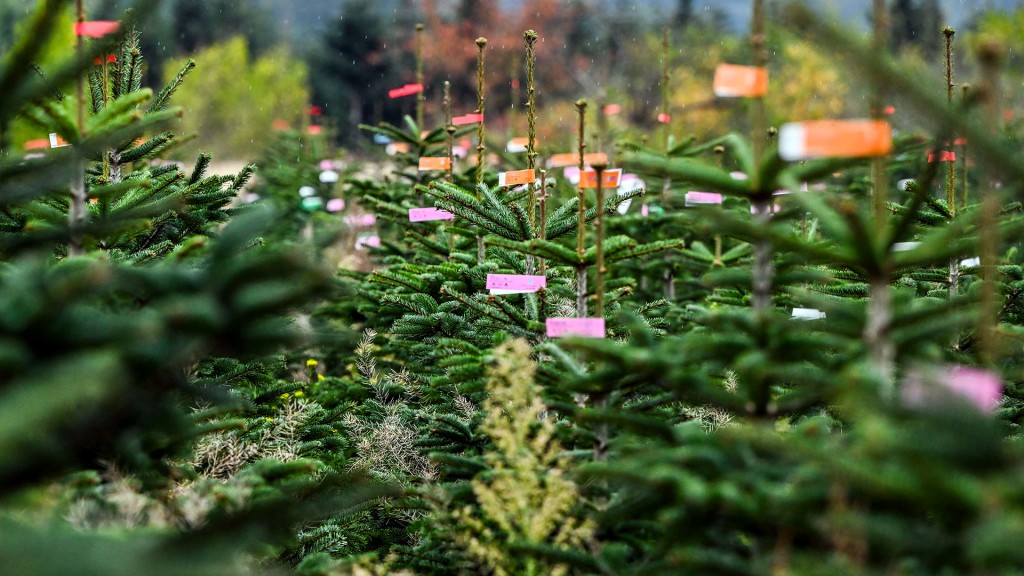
96 28
515 283
427 214
435 163
609 178
516 177
694 198
732 81
568 327
834 138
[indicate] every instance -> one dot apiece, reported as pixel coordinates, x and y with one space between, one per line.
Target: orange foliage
450 53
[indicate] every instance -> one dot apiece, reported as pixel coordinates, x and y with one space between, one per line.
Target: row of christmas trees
707 432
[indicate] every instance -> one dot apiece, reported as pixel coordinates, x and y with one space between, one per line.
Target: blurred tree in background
353 66
232 105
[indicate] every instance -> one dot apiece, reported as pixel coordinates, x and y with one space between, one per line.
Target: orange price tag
572 159
609 178
516 177
732 81
834 138
395 148
435 163
517 145
37 144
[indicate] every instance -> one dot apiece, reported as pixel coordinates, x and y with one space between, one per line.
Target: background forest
341 56
350 348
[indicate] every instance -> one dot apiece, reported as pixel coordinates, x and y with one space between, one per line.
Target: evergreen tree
126 369
917 23
354 61
683 13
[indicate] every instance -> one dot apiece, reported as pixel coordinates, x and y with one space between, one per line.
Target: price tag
515 283
568 327
361 220
943 156
364 240
427 214
517 145
516 177
927 388
834 138
609 178
396 148
435 163
904 246
407 90
467 119
808 314
571 159
695 198
56 141
732 81
96 28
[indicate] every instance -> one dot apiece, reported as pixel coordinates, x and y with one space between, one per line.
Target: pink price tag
568 327
426 214
467 119
364 240
694 198
979 388
96 28
943 156
407 90
364 220
516 283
